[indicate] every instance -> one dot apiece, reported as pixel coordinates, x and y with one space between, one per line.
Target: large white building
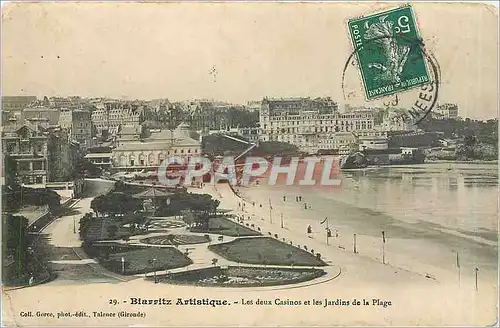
148 151
312 124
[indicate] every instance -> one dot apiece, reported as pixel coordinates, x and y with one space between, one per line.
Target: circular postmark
409 105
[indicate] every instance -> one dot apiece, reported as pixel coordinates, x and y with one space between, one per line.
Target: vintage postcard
195 164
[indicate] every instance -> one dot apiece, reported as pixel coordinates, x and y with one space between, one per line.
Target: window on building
23 166
37 166
39 179
10 147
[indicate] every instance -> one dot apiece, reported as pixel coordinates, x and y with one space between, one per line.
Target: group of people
298 199
328 231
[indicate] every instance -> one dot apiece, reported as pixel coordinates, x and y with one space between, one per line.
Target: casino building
145 150
312 124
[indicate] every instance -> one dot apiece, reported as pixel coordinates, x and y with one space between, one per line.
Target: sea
453 206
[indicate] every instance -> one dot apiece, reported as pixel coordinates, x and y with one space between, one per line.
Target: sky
170 50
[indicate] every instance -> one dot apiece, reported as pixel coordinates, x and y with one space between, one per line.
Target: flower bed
176 240
241 276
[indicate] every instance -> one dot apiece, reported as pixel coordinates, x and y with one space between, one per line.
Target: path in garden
70 260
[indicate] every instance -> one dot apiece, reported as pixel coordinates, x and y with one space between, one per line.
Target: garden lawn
140 260
98 229
265 251
223 226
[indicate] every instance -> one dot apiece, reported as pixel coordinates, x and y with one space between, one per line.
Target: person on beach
284 198
309 229
305 206
300 198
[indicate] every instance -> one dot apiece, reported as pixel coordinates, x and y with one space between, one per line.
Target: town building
340 143
253 106
79 124
379 142
394 119
42 154
247 133
62 154
26 144
109 115
101 156
148 151
311 124
446 111
16 103
204 115
52 114
250 134
73 102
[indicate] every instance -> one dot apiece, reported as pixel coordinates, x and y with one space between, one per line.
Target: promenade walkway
351 265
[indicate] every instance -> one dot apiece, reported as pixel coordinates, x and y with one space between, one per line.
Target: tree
275 147
10 171
139 218
119 186
115 203
84 168
15 245
15 232
85 223
237 117
112 231
202 206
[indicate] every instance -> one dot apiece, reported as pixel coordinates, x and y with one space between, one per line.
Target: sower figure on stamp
382 34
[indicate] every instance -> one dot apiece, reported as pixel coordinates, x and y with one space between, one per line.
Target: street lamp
74 224
154 270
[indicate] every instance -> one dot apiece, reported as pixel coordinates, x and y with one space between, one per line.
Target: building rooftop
18 98
137 146
40 108
98 155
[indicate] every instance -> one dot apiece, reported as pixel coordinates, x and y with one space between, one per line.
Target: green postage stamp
388 50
